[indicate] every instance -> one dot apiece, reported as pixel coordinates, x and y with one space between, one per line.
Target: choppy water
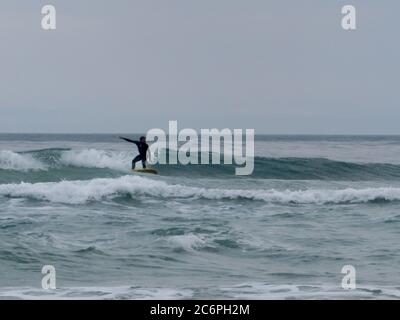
312 205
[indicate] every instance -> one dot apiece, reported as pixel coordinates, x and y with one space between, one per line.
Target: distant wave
79 192
265 168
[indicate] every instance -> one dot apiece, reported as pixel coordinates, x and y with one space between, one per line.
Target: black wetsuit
142 147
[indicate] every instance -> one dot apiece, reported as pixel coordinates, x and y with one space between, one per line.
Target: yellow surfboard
147 170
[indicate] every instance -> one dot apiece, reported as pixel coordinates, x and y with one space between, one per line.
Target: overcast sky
277 66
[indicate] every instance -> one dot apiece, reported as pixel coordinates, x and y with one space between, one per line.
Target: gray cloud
128 66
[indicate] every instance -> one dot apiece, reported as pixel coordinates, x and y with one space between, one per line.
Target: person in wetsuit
143 147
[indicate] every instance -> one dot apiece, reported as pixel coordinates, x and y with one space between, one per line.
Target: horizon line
265 134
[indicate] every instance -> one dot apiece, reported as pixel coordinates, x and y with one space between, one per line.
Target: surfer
143 148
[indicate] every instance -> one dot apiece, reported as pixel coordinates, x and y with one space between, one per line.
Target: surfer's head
142 139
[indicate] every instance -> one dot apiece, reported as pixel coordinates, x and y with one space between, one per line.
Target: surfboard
147 170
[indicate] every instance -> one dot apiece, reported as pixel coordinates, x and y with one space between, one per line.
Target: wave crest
264 168
19 162
93 158
79 192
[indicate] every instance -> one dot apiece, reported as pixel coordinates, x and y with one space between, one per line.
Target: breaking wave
19 162
92 158
80 192
264 168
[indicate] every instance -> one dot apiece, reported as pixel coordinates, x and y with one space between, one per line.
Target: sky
276 66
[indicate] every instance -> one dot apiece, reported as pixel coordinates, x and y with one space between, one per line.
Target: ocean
312 205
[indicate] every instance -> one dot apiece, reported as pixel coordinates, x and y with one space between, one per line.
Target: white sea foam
95 293
19 162
250 290
93 158
75 192
310 292
188 242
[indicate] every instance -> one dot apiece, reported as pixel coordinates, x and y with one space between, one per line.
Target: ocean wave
94 293
10 160
251 290
93 158
258 290
264 168
57 158
79 192
186 242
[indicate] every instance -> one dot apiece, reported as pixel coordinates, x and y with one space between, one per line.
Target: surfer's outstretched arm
129 140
